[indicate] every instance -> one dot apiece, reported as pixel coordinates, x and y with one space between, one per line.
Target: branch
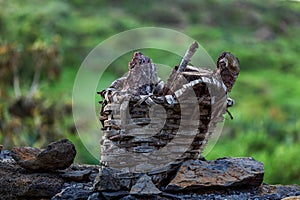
173 79
188 56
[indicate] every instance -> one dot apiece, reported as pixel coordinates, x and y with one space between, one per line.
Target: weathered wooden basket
177 118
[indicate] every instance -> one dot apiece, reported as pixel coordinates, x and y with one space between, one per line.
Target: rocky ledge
225 178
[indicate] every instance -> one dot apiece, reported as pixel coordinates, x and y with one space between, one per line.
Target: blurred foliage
27 117
38 38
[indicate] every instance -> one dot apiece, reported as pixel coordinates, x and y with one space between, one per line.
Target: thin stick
188 56
183 64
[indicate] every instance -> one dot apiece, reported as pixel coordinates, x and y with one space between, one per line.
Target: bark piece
57 156
221 173
142 75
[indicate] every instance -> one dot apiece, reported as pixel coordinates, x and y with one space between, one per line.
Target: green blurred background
42 45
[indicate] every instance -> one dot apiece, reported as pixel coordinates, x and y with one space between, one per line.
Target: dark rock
5 156
78 173
273 192
291 198
57 156
221 173
144 186
280 191
110 179
15 182
107 180
78 176
114 195
131 197
78 191
95 196
18 183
